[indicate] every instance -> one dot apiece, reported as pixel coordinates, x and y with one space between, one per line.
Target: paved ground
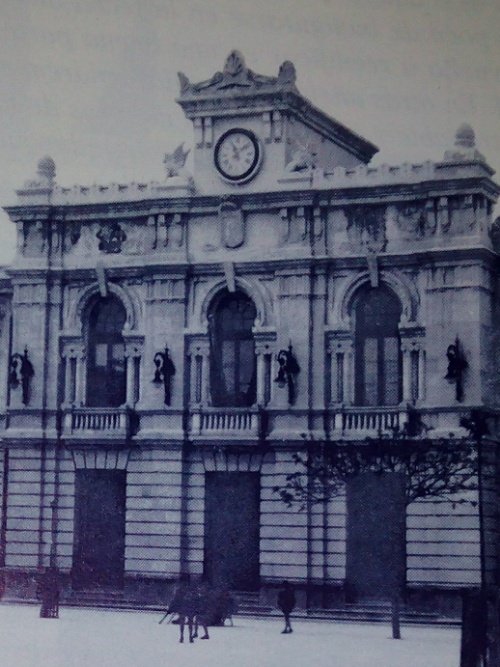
96 638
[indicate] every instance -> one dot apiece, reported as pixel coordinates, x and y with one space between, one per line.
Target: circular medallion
237 155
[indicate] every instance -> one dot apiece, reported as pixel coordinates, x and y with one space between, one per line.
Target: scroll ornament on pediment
237 75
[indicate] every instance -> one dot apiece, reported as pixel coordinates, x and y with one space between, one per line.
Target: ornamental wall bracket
287 372
457 365
164 372
21 373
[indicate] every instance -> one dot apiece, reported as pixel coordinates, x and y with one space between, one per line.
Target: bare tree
439 468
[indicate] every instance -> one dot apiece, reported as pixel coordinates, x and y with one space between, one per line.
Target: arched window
106 380
377 312
232 351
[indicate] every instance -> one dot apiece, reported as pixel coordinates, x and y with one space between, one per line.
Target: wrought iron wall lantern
164 372
20 373
457 365
287 372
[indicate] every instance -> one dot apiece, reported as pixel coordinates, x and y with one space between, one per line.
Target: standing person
184 604
49 592
203 607
286 602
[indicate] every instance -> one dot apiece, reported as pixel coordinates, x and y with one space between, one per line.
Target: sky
93 83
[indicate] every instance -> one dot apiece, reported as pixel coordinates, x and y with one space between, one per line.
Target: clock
237 155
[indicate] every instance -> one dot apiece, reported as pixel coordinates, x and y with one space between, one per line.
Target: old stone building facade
167 347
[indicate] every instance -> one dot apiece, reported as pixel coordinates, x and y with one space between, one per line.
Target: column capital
199 347
73 350
133 349
340 341
265 341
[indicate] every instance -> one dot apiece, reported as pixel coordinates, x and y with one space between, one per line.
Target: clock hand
236 152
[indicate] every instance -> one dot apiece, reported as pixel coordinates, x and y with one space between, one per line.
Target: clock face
237 155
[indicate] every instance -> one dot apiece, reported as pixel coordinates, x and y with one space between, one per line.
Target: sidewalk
98 638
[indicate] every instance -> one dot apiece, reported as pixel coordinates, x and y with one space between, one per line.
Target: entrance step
378 613
375 611
99 597
249 603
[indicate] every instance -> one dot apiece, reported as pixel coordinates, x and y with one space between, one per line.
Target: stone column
73 354
340 346
80 379
133 351
349 385
421 374
405 351
412 341
200 377
264 346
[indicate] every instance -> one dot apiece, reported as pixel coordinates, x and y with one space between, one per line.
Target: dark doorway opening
232 529
99 547
376 536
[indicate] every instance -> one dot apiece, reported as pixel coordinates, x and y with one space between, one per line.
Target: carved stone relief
366 228
111 237
165 231
462 215
296 224
415 220
232 222
34 238
495 234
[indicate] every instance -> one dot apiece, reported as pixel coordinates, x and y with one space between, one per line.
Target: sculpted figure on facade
175 162
303 159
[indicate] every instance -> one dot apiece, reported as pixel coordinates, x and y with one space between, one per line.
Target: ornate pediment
236 76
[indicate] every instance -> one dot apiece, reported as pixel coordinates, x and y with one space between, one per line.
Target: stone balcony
238 423
372 421
97 424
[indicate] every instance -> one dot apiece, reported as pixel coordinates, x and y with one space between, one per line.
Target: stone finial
43 182
465 136
287 75
46 168
465 147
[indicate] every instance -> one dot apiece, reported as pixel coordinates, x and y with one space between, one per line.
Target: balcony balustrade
236 422
353 420
84 422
